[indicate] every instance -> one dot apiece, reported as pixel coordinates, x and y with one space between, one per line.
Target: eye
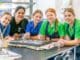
6 18
38 16
69 15
21 13
18 12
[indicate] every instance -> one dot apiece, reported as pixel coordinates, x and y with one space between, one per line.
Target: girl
33 27
51 28
72 30
18 23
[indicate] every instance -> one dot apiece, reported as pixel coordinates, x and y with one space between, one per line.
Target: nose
38 18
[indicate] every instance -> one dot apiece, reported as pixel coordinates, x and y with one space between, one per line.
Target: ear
0 17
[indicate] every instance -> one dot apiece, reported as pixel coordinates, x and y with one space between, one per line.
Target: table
9 55
29 54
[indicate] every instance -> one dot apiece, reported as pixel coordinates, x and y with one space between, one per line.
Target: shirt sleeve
42 29
77 30
61 29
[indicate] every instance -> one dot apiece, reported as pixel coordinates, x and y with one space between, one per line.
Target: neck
51 22
17 21
35 23
71 24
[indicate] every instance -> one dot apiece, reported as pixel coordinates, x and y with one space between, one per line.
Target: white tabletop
9 55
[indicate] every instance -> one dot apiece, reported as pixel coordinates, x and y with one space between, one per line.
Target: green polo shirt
74 29
51 28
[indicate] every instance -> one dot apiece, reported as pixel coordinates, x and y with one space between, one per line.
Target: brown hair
51 10
6 13
71 10
38 11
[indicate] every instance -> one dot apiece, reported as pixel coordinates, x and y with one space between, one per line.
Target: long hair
53 11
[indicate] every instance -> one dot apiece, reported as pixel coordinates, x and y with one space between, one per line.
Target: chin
5 25
20 19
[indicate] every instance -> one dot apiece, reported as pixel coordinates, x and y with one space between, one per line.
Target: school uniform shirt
33 30
5 30
73 31
52 31
18 28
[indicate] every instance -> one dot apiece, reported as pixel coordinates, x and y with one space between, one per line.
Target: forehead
50 13
20 10
37 14
6 15
68 13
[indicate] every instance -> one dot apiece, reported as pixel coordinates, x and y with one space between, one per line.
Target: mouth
20 16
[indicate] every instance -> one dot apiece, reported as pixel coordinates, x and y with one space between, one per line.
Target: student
51 28
4 24
72 30
33 27
18 23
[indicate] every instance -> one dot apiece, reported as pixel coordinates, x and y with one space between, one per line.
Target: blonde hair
38 11
6 13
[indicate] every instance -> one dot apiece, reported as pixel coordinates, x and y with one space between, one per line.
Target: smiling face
37 17
19 15
50 16
5 19
69 17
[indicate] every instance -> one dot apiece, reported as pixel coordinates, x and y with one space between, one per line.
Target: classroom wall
76 6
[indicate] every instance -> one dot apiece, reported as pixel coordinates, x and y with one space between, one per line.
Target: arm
34 37
42 31
71 42
41 37
28 29
76 41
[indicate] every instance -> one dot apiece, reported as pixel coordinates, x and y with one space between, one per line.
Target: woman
33 27
72 30
51 28
18 23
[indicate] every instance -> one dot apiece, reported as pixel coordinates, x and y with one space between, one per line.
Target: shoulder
30 22
25 20
77 23
12 19
44 22
77 20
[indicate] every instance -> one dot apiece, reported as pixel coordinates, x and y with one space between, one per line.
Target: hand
16 36
55 40
61 42
9 38
26 36
47 38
